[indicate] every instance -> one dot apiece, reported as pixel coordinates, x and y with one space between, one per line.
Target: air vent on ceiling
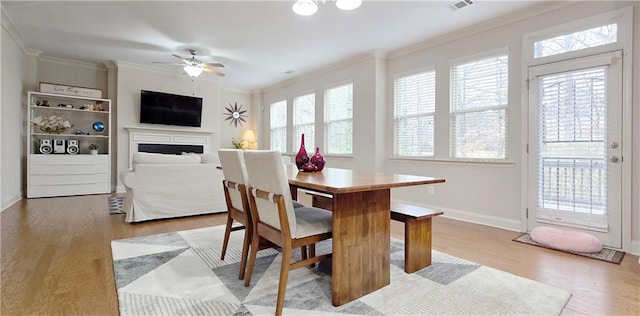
460 4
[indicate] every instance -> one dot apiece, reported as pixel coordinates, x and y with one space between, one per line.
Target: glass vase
318 160
302 157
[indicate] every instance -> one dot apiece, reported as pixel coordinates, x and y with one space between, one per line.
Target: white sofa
166 186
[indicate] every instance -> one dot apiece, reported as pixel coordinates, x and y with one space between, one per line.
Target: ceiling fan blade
168 63
211 71
184 60
213 65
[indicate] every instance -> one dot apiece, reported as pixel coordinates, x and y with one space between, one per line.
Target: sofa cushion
152 158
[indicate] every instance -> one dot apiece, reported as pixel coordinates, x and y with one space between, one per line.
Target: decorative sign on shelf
70 90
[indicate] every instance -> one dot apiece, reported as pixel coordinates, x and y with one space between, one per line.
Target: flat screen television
170 109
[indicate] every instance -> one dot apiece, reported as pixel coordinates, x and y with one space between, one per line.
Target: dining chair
275 219
235 192
235 183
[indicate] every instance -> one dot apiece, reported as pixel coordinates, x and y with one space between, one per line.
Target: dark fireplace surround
170 148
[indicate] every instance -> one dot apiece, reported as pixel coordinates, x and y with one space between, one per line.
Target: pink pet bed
566 240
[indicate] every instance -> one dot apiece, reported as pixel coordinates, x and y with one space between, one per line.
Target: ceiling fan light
348 4
305 7
193 71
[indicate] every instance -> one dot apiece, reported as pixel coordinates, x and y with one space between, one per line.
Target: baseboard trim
10 202
635 248
475 218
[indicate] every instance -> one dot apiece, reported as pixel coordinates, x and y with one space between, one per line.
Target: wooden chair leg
227 232
255 242
312 253
284 276
303 252
245 252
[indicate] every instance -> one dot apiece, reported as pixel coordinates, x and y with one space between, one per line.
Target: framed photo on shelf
70 90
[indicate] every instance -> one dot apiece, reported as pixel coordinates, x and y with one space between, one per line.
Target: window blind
304 109
478 109
572 151
278 125
414 111
338 113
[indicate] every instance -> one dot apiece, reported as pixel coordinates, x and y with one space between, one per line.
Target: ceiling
258 41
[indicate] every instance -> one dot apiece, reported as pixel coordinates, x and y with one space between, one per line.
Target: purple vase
318 160
301 157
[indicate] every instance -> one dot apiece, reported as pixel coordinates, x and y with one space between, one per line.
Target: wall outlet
432 190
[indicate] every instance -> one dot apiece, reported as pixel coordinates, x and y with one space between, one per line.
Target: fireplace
170 148
169 141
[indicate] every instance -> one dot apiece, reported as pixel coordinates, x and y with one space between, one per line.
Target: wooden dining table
361 224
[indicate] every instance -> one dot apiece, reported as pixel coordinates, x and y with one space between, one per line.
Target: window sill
476 163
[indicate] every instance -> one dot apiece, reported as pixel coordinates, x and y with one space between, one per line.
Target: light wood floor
56 259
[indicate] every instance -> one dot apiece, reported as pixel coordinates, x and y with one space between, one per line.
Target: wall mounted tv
170 109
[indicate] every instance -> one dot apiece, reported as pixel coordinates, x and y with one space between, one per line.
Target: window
478 113
278 125
304 116
338 119
594 37
413 112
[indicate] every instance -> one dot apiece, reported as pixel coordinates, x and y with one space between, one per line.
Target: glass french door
575 134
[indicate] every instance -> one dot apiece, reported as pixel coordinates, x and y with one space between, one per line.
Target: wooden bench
417 229
417 234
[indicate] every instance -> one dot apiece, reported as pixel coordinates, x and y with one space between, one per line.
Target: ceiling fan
194 67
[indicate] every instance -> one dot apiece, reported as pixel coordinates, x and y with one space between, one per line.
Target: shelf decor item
52 123
302 157
318 160
70 90
93 148
98 127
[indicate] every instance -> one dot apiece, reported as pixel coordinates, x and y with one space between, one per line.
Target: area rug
607 254
181 273
115 205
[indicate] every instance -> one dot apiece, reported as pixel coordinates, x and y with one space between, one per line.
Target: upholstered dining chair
275 219
235 183
235 192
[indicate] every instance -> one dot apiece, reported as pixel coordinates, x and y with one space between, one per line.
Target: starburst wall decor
235 114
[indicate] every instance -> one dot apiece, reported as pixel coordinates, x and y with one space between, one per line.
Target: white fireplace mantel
154 135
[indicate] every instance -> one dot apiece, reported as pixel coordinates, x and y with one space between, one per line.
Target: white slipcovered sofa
166 186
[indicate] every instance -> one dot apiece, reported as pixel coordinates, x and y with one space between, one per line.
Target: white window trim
269 129
324 116
469 59
480 56
396 76
294 138
620 16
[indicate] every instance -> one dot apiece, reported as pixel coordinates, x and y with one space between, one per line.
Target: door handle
614 159
613 145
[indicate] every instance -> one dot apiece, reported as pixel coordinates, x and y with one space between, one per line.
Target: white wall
486 193
73 73
12 116
362 71
133 78
228 131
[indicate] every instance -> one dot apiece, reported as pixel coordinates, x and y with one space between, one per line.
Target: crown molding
544 7
9 26
72 63
372 54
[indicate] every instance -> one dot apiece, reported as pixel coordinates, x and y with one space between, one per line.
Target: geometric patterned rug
606 254
115 204
181 273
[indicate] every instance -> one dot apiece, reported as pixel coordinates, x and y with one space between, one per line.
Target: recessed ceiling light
288 72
